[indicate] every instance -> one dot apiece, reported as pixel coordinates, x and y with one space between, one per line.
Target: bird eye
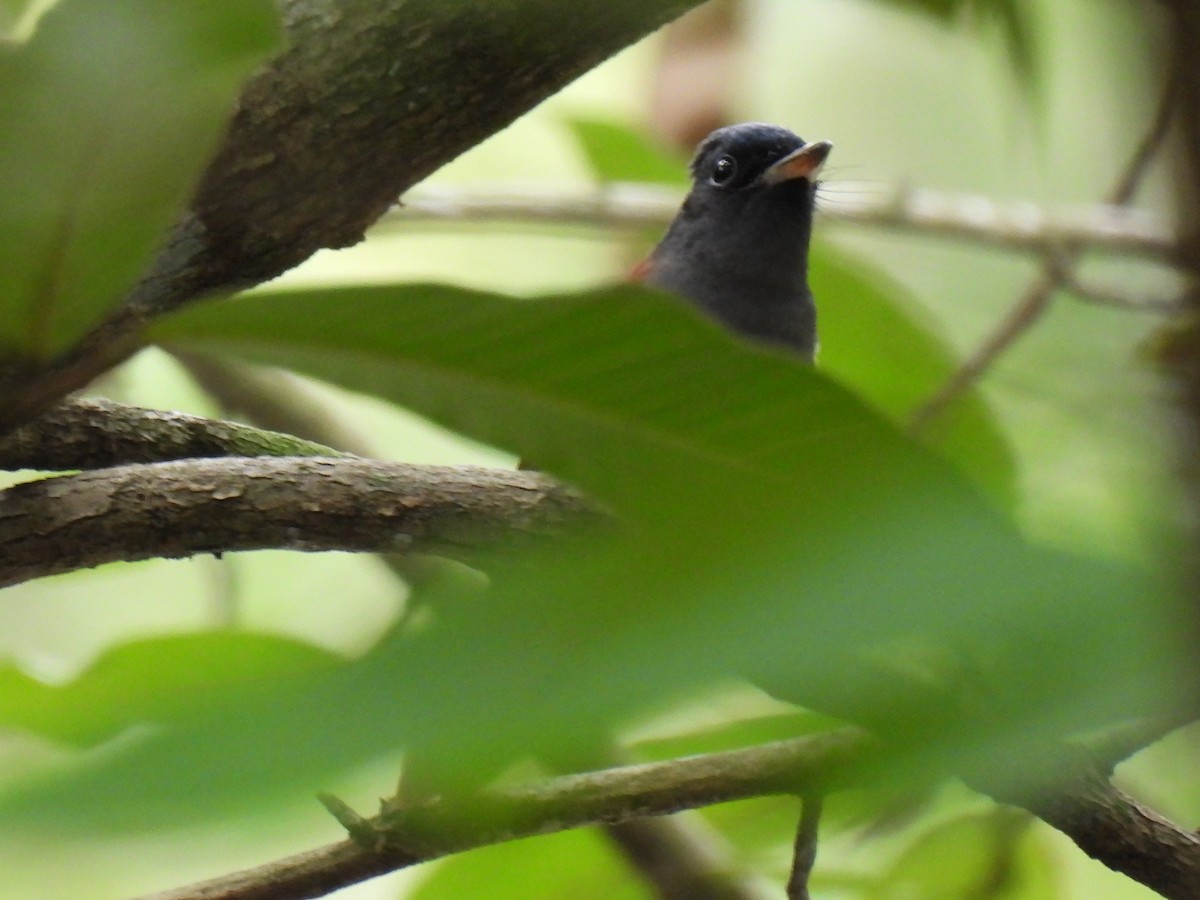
723 170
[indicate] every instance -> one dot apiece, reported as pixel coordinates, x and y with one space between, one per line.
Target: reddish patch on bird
640 272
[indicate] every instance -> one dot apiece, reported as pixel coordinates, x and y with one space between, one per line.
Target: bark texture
1082 802
368 99
98 434
179 509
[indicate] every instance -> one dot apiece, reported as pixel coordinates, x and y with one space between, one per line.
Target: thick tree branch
405 838
366 99
179 509
98 434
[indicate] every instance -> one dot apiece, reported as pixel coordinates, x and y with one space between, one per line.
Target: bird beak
803 163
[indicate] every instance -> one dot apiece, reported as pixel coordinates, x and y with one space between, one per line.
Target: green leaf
106 117
603 389
874 340
774 528
617 152
765 479
153 682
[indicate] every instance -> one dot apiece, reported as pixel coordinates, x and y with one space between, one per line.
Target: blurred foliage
1012 18
106 116
745 527
745 480
595 871
780 527
152 682
970 855
12 14
616 152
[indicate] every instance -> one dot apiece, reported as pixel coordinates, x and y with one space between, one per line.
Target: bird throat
744 261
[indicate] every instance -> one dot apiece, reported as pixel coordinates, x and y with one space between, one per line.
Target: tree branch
178 509
967 217
1098 294
1114 829
406 837
366 100
98 434
1081 803
363 505
804 848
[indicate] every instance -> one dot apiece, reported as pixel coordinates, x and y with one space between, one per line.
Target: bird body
738 247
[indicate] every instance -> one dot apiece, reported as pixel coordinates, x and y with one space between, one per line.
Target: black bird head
738 248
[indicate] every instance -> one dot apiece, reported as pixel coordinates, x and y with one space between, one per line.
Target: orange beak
803 163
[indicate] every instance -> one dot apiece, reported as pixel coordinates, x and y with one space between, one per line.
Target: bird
737 248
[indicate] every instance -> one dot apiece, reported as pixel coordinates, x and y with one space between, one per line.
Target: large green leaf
775 528
106 116
623 392
766 494
874 340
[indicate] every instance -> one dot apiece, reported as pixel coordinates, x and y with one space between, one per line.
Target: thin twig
1029 309
1135 171
405 838
804 855
1058 269
973 218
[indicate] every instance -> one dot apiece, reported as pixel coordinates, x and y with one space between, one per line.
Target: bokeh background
910 97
